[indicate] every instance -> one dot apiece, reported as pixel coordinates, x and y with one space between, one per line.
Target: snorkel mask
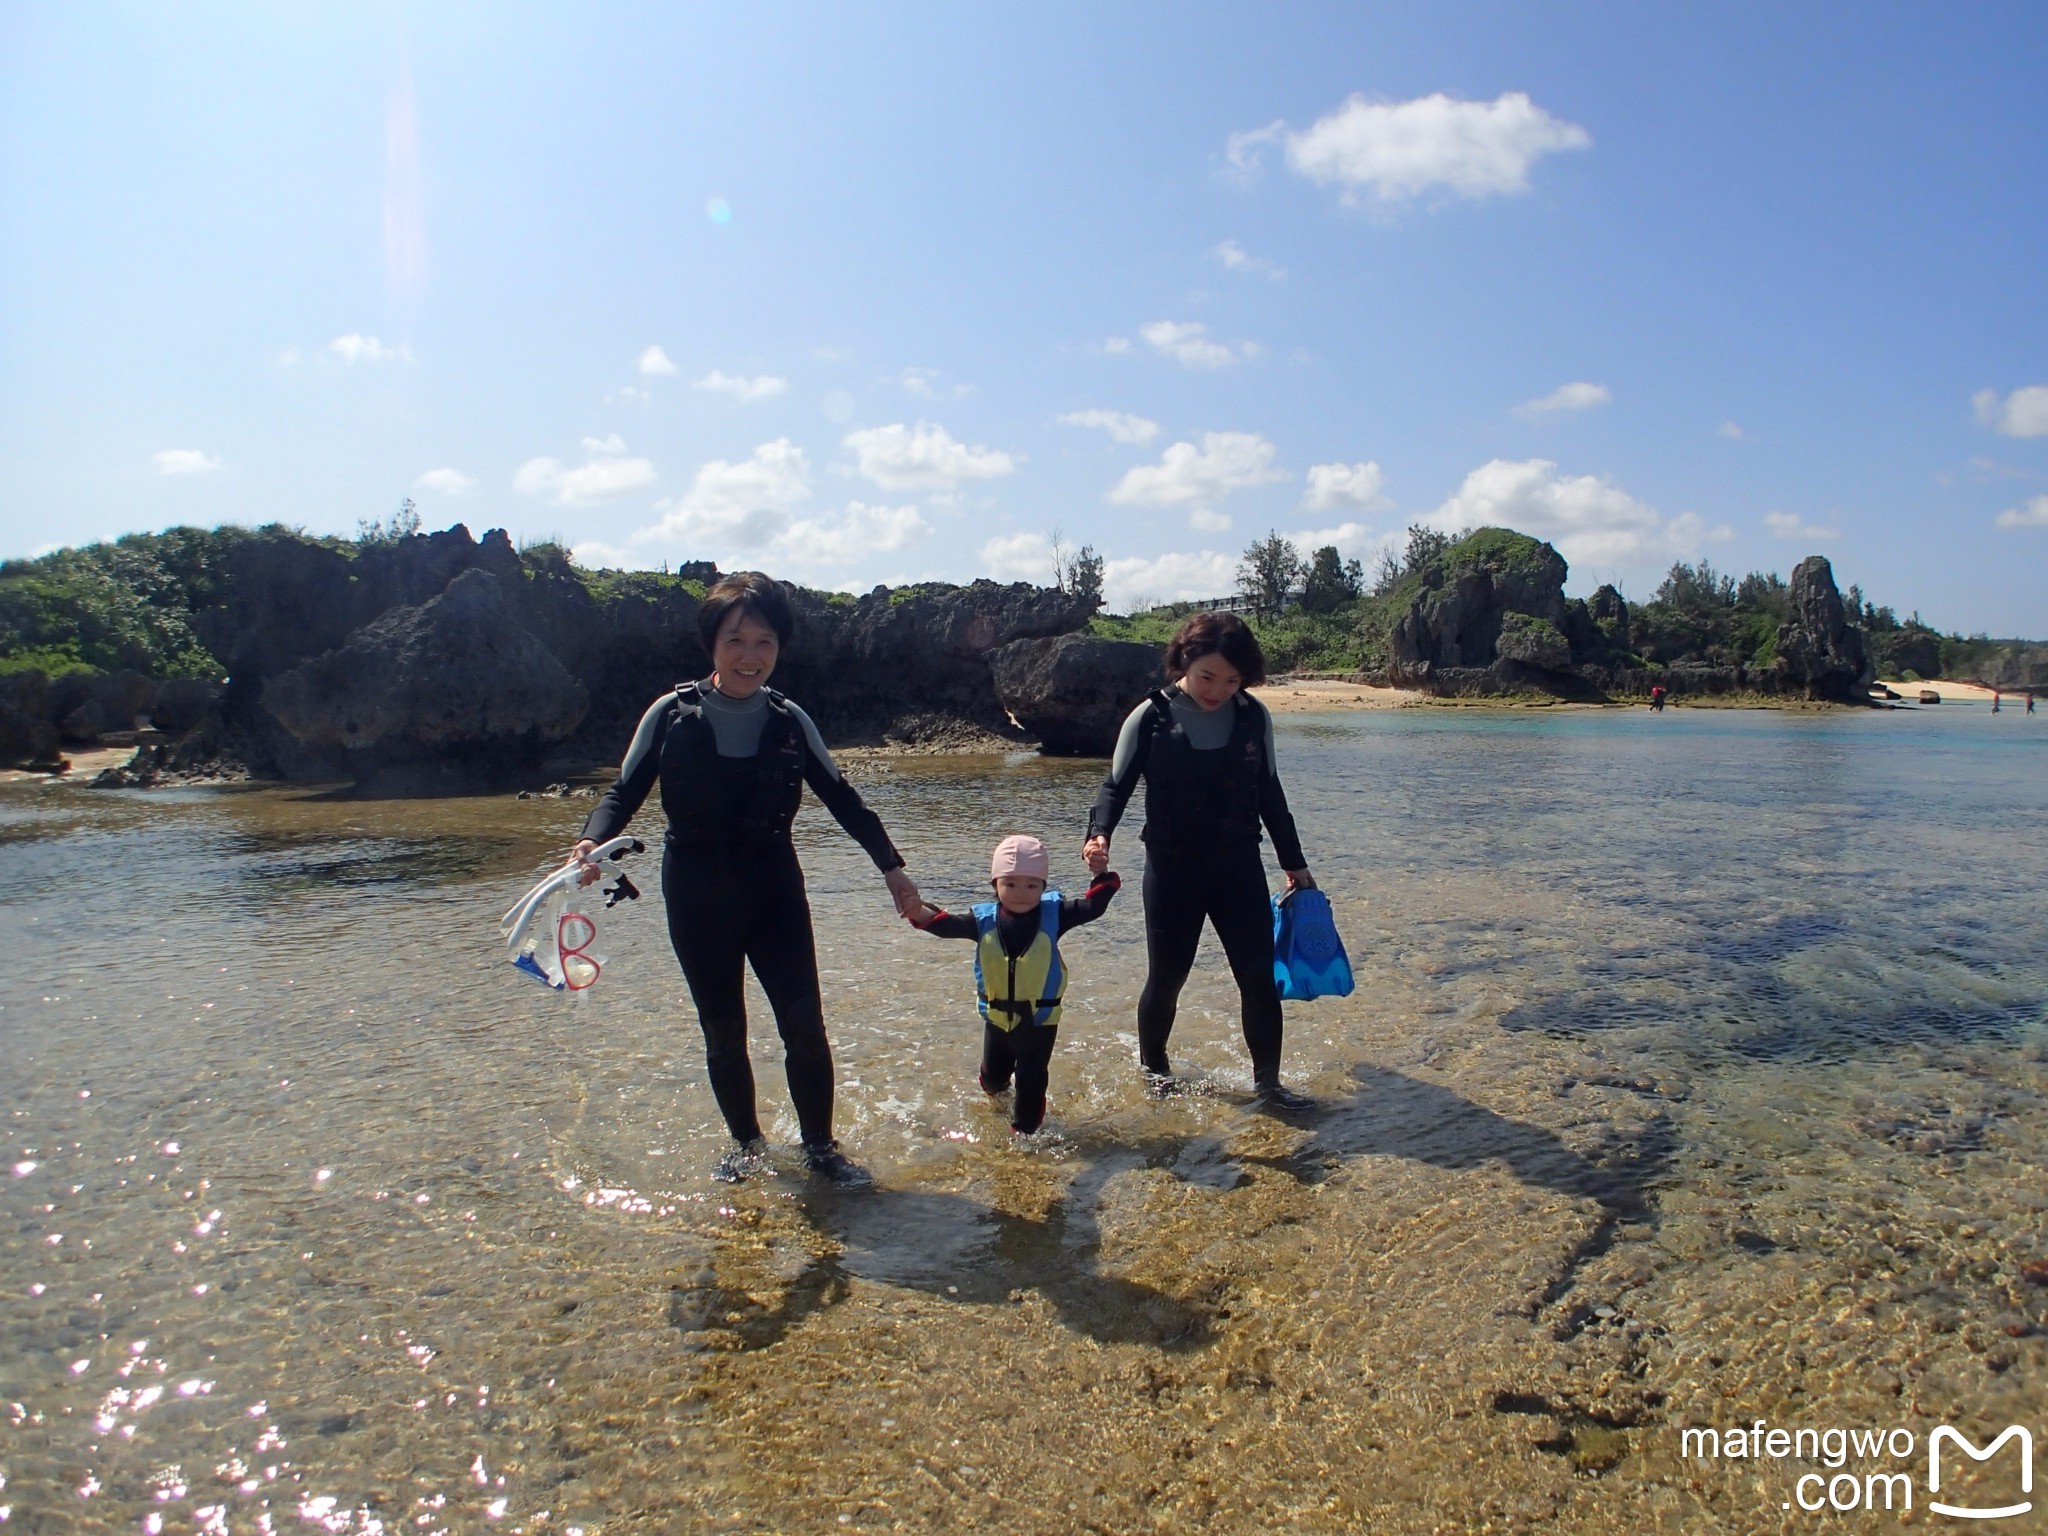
549 937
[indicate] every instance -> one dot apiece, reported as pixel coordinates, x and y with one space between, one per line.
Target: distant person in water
731 757
1019 977
2030 703
1204 748
1657 697
1994 701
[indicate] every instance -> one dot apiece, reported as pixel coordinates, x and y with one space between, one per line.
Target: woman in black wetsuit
1205 751
732 756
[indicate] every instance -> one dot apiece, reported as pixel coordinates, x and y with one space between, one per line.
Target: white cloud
2023 413
760 387
736 506
2032 513
605 475
926 458
1566 397
184 461
1116 346
852 536
1345 485
596 555
1790 525
1204 520
1138 581
1245 150
1238 259
1990 469
1187 476
1187 342
1395 150
1354 541
449 482
655 361
1732 431
1587 518
1120 425
367 349
1018 557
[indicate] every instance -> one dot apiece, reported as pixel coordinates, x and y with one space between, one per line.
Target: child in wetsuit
1019 977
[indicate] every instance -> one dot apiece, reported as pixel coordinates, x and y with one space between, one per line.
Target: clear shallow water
1699 1075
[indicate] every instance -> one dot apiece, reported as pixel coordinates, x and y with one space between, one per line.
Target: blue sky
882 292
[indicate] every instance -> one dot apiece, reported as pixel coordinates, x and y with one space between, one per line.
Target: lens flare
718 211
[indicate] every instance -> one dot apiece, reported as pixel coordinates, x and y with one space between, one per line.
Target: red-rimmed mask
574 934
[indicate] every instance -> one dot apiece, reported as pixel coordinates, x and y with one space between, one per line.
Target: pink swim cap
1020 856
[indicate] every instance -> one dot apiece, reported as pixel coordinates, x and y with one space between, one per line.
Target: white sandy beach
1954 692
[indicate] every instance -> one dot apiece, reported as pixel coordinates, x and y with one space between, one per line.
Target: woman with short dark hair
1204 748
731 756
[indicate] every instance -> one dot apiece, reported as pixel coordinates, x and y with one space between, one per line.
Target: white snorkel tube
558 950
514 923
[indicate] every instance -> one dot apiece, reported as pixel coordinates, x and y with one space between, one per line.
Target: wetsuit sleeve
637 774
1086 908
950 925
843 800
1273 809
1133 746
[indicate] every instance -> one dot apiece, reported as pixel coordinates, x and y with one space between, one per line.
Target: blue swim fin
1308 957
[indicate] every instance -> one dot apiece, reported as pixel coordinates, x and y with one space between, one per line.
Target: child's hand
1096 855
923 915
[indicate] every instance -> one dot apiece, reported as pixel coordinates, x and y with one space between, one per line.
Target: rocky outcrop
895 664
39 716
28 737
281 601
1073 692
455 680
1533 642
1820 651
2018 668
1491 582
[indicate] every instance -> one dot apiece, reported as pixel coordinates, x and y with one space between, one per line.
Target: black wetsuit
1209 784
731 778
1024 1051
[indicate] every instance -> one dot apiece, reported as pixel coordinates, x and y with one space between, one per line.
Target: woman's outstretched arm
855 815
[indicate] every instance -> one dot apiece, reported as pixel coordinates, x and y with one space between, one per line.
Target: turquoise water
1698 1073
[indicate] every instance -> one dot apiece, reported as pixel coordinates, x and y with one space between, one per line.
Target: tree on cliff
1082 577
1269 572
1331 581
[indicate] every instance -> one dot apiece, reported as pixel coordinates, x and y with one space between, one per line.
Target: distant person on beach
1019 977
732 756
1657 697
1204 748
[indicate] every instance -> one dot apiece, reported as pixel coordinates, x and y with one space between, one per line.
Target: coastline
1951 692
1287 695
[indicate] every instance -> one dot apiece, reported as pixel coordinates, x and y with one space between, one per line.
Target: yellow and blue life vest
1022 988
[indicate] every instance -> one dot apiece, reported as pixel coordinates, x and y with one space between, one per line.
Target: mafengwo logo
1868 1469
1945 1435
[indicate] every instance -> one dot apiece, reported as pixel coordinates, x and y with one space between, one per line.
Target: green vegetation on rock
127 605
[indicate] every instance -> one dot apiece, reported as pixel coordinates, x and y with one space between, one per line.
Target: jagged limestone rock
1074 691
1820 650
